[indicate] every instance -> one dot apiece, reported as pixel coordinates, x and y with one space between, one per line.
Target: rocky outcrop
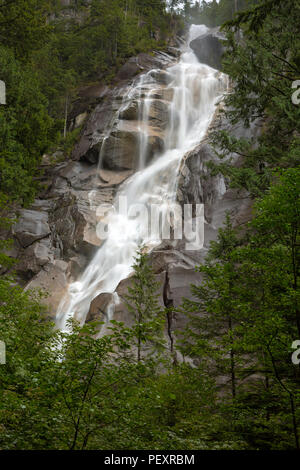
56 237
120 151
158 113
208 48
31 227
52 279
107 102
99 307
197 185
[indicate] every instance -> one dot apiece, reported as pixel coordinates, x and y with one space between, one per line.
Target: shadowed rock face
209 49
99 307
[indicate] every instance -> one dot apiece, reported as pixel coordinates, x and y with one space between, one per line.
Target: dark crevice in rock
169 305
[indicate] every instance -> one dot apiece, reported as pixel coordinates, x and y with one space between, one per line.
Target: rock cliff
56 237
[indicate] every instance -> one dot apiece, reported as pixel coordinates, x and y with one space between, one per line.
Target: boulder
74 224
121 148
208 48
32 226
52 279
99 306
34 257
79 120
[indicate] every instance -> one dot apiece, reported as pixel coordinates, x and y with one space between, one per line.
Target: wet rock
208 48
99 307
159 113
165 94
161 76
131 112
104 115
79 176
121 149
173 51
76 266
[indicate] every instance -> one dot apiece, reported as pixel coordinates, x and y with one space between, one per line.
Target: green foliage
45 55
214 13
26 128
84 391
23 25
262 67
142 303
110 32
245 316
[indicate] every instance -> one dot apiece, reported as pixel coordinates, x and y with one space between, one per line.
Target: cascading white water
196 88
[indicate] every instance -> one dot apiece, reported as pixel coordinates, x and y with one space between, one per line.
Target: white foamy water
195 88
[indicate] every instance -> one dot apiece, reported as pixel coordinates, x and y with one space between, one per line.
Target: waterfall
195 89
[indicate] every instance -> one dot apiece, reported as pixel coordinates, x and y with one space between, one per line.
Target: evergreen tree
262 67
253 281
142 303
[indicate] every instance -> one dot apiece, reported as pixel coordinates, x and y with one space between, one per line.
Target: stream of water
195 89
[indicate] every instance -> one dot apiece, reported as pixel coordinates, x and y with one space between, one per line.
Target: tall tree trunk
66 117
291 399
232 364
139 342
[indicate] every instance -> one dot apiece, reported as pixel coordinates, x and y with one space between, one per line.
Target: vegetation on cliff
47 49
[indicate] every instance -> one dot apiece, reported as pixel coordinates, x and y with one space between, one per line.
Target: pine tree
142 303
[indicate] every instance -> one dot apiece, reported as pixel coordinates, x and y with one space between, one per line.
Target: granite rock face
56 237
110 104
99 307
209 48
31 227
